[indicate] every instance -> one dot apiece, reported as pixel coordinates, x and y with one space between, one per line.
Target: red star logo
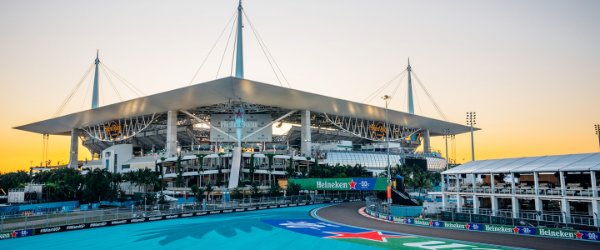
467 226
371 235
578 235
431 223
352 185
516 230
238 113
14 234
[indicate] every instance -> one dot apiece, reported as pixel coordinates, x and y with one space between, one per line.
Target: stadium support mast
411 107
239 61
95 89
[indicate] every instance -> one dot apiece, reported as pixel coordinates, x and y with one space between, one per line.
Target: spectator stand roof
553 163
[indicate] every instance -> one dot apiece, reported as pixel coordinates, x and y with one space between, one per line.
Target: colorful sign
113 130
369 237
378 131
547 232
359 184
228 125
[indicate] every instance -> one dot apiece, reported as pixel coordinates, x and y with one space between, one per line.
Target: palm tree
209 190
116 179
270 162
251 168
179 181
130 176
200 168
289 171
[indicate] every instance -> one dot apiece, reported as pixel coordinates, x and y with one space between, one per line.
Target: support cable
439 110
376 93
211 49
112 85
225 50
398 86
87 90
266 51
233 49
70 96
127 84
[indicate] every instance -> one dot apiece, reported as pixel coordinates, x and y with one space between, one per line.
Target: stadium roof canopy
554 163
229 89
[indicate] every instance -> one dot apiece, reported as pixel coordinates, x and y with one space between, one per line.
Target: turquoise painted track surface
282 228
224 231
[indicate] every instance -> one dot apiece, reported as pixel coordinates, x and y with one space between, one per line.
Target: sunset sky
530 69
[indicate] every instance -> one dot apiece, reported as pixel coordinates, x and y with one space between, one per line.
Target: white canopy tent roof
554 163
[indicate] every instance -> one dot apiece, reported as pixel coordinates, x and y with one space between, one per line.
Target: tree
209 190
179 180
200 168
274 190
131 177
270 169
198 193
14 180
254 190
237 194
293 189
251 168
420 180
63 184
97 186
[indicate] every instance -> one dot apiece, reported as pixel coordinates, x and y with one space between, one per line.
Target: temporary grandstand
561 188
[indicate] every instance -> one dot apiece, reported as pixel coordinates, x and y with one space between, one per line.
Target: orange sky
528 68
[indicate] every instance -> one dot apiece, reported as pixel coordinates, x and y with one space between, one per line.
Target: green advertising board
358 184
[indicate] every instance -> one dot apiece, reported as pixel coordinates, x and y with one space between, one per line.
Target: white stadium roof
235 89
553 163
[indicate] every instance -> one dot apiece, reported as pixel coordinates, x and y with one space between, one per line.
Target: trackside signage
46 230
359 184
499 228
546 232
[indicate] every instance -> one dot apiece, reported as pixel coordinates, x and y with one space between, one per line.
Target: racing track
347 213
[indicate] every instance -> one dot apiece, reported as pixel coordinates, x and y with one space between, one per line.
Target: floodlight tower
597 127
471 121
446 136
387 98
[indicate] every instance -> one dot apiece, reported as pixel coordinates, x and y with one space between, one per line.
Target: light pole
446 135
597 127
471 121
387 98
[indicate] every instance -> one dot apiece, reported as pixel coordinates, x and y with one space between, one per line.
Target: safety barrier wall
481 227
38 207
183 214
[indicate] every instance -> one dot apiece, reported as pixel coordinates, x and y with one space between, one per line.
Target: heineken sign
359 184
534 231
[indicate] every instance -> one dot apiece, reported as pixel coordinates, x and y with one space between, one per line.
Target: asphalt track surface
347 213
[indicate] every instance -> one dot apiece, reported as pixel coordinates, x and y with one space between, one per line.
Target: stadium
224 130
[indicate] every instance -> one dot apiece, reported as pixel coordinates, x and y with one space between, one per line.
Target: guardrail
61 219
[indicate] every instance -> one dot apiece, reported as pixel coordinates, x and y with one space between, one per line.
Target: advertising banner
249 124
474 227
4 236
454 225
364 184
22 233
